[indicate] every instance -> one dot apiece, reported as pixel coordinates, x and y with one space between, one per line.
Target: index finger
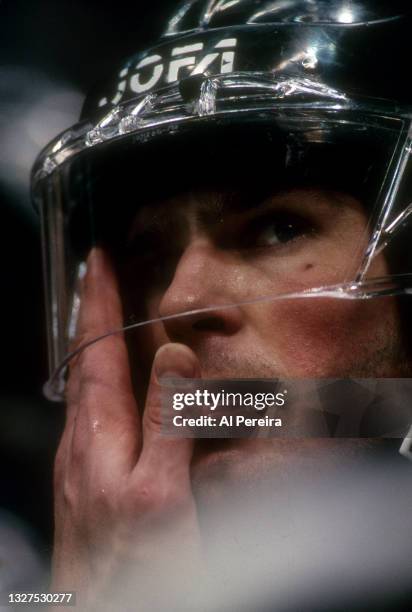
100 386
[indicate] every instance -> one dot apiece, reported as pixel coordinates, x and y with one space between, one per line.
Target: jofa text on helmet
152 69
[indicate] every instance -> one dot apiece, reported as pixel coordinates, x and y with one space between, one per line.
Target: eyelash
296 226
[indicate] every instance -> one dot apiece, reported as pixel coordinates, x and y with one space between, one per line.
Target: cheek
325 337
271 275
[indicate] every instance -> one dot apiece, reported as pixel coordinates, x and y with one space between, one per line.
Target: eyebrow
221 202
155 215
155 218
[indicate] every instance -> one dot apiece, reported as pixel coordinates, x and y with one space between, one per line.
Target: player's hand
123 498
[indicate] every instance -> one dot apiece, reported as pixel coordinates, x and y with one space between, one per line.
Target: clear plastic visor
271 235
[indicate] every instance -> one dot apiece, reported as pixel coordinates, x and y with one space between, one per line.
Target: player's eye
275 229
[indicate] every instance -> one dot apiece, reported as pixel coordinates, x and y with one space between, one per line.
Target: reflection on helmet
200 14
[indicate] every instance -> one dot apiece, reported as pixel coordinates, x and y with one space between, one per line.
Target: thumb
160 450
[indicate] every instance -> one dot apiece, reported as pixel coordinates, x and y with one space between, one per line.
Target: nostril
210 324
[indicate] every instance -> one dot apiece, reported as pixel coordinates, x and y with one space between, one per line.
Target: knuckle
103 501
148 497
69 494
141 497
96 351
83 362
95 381
77 448
152 418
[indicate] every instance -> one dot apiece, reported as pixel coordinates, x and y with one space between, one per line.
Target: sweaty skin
127 497
123 495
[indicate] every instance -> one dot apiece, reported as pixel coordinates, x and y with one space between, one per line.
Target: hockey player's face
204 249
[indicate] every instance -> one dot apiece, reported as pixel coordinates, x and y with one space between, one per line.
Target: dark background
52 52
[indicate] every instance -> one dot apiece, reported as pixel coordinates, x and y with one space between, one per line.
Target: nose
204 277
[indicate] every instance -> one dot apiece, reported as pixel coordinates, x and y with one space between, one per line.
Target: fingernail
176 361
